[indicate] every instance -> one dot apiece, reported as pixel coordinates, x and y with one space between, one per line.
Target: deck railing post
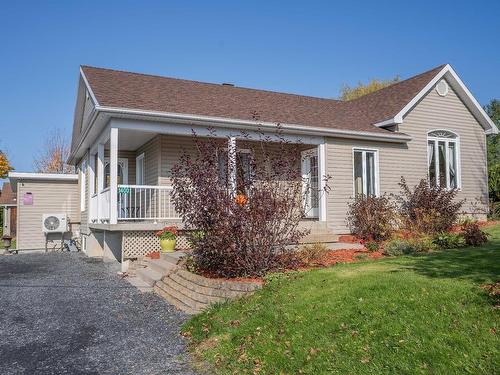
113 176
100 179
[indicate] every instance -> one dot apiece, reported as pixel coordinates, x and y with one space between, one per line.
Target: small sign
124 190
28 199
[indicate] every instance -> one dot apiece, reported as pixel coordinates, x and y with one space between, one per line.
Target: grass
405 315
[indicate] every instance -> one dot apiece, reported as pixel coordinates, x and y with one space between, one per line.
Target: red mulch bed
346 256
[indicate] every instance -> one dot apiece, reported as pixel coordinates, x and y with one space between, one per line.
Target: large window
244 170
365 172
443 159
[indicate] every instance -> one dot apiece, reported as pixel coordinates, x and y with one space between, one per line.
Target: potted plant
167 238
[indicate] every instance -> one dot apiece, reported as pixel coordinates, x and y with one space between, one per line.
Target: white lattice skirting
136 244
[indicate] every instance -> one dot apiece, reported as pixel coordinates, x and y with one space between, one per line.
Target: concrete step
139 284
323 237
161 266
149 276
172 257
174 301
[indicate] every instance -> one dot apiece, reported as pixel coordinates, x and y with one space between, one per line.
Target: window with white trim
139 170
365 172
443 159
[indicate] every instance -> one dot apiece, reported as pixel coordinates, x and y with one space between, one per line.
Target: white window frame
363 159
446 141
124 164
83 184
140 177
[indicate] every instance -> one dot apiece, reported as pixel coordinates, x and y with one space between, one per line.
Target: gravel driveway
64 313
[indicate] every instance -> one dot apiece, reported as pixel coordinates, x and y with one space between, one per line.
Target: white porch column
92 215
231 163
322 182
113 176
100 178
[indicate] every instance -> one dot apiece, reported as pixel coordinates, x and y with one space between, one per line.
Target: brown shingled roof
7 196
120 89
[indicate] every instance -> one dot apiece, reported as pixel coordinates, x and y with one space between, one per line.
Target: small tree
349 93
244 232
52 158
5 166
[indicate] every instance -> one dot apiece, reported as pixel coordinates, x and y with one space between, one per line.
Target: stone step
191 290
161 266
149 276
139 284
195 305
179 305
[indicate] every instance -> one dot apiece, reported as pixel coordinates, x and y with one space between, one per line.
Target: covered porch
130 186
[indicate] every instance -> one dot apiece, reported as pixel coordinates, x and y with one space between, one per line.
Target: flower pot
167 246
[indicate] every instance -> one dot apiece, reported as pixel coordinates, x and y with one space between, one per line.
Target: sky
305 47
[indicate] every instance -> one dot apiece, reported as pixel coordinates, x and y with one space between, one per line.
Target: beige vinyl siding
49 197
410 160
152 163
87 109
84 215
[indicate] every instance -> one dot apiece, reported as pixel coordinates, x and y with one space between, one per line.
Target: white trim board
462 91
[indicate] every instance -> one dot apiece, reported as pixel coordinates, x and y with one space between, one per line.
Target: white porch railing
145 202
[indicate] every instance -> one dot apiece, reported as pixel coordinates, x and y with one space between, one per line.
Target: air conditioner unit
54 223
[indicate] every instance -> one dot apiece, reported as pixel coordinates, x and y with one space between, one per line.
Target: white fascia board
89 89
242 125
463 92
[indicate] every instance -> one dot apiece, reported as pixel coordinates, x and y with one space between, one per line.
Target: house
129 129
8 203
45 193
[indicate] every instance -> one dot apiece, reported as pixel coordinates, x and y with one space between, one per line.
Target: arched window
443 159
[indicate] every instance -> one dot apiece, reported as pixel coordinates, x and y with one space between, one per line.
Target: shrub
449 240
473 235
371 218
311 255
428 209
247 224
494 212
399 246
372 246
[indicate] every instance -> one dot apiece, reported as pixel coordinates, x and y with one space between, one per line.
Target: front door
310 183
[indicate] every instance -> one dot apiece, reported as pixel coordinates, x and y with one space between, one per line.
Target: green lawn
405 315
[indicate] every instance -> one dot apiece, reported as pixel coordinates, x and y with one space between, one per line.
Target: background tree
493 110
350 93
5 166
52 158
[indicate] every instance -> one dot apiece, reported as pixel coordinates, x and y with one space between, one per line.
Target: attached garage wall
49 197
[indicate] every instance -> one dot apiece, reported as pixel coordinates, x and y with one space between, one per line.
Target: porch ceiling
131 140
